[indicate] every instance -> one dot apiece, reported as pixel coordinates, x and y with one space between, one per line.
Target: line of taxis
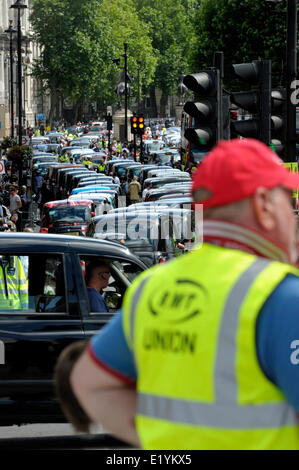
52 264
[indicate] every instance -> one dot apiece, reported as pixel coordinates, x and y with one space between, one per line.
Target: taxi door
33 334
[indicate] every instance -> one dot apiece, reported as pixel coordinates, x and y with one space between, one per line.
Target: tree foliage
79 39
126 27
244 30
170 24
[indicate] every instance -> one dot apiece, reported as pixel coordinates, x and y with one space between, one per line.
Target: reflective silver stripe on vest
134 303
15 282
226 387
217 415
225 412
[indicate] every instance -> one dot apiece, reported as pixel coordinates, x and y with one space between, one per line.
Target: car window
122 273
69 214
32 283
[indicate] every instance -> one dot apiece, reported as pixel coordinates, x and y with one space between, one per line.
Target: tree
125 26
70 56
244 30
79 39
172 33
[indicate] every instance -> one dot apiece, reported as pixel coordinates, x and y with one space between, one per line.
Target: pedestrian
15 202
11 223
214 333
38 181
15 222
134 190
97 278
25 199
46 194
101 167
6 195
148 186
116 179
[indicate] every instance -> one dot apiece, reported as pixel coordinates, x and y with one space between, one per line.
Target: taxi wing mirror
113 300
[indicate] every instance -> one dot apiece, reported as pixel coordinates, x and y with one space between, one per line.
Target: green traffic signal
256 101
205 109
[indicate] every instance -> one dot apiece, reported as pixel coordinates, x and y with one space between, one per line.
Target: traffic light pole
291 71
141 149
219 65
10 31
109 141
12 124
266 88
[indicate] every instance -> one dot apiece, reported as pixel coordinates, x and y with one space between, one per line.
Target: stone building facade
34 102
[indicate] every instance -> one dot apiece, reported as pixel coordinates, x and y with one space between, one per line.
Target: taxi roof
34 242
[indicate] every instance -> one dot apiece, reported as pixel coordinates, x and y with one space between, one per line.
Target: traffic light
140 125
278 121
134 125
205 110
257 101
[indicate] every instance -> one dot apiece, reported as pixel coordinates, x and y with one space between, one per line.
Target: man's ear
264 207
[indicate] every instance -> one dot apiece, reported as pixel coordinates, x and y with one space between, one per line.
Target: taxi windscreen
70 214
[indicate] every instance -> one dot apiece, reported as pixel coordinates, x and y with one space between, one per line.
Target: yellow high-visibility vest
191 324
13 285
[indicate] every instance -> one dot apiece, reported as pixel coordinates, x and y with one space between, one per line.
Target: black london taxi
67 217
149 233
55 312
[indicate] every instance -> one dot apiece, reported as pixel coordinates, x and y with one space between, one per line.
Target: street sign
40 117
2 168
25 140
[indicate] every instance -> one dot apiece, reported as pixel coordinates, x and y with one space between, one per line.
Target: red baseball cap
234 169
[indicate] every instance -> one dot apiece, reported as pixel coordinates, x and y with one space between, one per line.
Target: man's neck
239 237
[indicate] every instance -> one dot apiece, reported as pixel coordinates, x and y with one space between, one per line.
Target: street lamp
125 77
10 31
126 91
19 6
138 89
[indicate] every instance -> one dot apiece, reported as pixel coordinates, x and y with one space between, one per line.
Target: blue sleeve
277 338
110 347
96 301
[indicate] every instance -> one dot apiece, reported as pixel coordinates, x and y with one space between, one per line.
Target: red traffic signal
134 125
140 125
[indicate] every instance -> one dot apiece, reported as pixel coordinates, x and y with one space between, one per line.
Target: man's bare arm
105 399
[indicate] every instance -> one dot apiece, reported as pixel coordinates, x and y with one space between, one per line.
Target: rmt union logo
2 353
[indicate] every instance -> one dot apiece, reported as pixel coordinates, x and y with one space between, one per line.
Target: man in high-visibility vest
13 284
86 162
64 158
208 344
101 166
